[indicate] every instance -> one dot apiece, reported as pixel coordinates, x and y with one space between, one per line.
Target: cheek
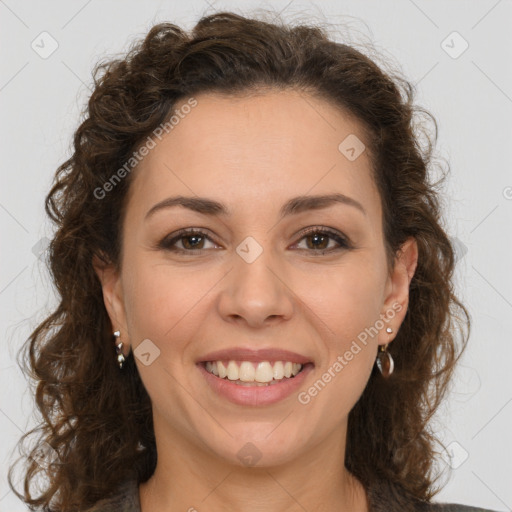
160 308
347 310
152 300
163 303
147 308
346 303
347 298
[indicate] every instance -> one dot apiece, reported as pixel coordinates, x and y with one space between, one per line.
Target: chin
258 450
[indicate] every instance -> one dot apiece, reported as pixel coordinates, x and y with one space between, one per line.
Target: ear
397 289
113 298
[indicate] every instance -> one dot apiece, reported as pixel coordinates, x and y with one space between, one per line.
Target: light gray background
470 95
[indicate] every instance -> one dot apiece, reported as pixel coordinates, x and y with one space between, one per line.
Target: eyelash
167 243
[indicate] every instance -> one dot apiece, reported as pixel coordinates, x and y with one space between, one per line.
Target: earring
384 360
119 347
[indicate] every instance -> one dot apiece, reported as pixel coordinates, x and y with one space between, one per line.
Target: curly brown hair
97 430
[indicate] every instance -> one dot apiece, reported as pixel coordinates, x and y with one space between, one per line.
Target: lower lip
255 395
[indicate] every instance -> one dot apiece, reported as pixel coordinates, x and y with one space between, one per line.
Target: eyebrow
293 206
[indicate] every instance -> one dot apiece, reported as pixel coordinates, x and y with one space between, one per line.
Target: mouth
251 373
248 377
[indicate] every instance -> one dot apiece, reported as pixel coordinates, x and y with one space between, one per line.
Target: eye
191 240
318 240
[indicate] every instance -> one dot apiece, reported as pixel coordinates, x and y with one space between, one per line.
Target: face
268 274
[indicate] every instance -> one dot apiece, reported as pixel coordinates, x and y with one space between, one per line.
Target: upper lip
248 354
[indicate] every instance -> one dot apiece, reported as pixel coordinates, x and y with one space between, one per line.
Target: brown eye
317 240
321 240
193 241
190 240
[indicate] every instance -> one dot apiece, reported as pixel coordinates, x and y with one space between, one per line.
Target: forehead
258 148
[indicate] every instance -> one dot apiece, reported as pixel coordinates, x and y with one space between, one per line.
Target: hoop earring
384 360
120 357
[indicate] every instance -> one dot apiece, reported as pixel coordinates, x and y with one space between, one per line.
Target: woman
256 304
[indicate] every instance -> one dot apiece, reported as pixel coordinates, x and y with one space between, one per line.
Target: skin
253 154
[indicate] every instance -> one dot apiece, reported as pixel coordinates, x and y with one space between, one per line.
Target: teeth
222 370
278 370
247 371
232 371
264 372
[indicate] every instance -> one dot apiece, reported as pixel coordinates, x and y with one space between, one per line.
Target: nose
256 292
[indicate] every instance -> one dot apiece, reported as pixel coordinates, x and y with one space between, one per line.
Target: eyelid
167 242
341 239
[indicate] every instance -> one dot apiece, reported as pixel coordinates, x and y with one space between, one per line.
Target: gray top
127 500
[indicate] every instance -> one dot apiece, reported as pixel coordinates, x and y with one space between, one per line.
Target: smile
253 383
248 373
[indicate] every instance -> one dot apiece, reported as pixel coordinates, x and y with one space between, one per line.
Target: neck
191 479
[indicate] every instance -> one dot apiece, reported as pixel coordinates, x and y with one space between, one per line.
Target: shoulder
455 507
125 500
384 495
